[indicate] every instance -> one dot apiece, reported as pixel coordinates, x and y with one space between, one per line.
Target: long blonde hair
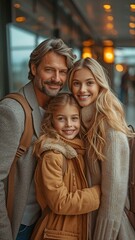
47 129
108 109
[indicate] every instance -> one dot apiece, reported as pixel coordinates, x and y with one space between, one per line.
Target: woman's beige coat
65 193
110 222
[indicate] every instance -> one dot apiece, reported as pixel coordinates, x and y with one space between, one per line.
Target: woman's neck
87 114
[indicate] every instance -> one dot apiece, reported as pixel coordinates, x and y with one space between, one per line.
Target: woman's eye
90 83
76 83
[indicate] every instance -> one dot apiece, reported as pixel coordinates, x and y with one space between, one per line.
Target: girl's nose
68 122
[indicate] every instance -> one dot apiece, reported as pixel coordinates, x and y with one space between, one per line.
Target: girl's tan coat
66 194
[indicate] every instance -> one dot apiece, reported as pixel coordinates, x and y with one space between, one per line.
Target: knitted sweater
110 221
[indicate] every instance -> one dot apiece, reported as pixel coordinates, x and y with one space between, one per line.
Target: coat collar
69 148
29 93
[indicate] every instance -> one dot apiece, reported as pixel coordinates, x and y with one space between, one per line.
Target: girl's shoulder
59 146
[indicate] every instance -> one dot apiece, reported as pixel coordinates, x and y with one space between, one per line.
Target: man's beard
51 92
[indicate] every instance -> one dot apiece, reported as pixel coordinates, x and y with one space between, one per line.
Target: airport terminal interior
104 30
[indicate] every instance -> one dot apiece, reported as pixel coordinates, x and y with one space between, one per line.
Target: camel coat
65 193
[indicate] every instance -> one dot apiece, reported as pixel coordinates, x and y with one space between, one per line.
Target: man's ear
33 69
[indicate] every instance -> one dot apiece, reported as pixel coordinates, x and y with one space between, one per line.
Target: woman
106 135
61 187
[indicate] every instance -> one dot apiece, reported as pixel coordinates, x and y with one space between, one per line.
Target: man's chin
52 92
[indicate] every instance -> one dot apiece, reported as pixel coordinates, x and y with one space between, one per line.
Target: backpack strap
132 171
24 144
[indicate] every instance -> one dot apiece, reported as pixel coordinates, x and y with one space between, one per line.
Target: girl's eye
60 119
75 119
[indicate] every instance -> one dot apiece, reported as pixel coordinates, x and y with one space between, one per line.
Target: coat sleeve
10 133
52 189
113 187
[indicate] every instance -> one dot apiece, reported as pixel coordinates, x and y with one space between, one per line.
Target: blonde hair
108 109
48 130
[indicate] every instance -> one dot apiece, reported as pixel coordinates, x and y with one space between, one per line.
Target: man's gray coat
11 129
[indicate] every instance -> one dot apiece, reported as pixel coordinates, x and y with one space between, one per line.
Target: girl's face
66 121
84 87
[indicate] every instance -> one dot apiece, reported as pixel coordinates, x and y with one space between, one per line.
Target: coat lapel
29 93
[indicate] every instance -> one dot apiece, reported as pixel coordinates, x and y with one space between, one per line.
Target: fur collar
69 148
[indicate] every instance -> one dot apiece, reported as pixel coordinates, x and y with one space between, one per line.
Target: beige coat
67 196
110 222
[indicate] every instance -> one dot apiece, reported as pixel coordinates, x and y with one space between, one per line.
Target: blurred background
104 30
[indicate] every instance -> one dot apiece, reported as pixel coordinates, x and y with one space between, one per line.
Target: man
49 64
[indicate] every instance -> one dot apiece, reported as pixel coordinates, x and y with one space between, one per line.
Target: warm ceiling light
132 32
107 6
86 52
132 7
17 5
88 43
108 43
132 25
132 18
109 25
108 54
110 18
20 19
119 67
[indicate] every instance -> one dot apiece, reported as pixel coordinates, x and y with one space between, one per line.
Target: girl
107 148
60 174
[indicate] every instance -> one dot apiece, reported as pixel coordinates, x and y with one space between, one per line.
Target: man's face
51 74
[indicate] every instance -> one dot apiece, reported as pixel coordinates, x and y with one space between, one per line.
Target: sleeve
54 191
10 133
113 187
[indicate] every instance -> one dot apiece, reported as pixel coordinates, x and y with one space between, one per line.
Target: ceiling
79 20
112 24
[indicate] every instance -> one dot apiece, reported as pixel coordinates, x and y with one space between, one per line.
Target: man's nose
56 76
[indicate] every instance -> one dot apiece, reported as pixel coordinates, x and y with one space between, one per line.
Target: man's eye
63 72
48 70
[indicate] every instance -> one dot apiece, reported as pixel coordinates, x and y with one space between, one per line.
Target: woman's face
84 87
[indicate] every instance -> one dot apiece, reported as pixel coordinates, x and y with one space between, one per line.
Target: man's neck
42 98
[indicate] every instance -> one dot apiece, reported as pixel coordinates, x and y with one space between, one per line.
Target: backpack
131 212
24 144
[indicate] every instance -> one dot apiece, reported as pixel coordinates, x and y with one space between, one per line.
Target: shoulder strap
132 172
24 144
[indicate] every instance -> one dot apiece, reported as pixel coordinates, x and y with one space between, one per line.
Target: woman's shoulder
115 135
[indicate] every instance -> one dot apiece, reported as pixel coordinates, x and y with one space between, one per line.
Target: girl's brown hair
47 126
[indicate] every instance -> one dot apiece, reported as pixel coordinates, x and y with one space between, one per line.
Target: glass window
21 43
